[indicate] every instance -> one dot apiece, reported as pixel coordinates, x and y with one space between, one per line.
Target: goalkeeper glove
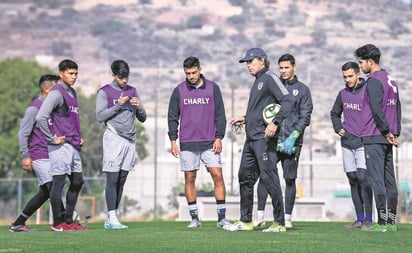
290 142
280 147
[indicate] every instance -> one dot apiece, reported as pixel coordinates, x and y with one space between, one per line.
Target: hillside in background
155 36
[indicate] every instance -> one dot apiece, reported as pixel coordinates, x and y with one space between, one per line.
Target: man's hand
135 102
59 140
270 130
396 142
217 146
123 99
27 164
238 120
290 142
174 149
392 139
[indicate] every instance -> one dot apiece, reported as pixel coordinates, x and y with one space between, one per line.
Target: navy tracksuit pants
259 159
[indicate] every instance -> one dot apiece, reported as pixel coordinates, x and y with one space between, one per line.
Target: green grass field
170 236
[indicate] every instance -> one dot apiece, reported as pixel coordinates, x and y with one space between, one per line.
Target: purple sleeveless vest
113 95
67 124
389 105
37 141
353 120
197 113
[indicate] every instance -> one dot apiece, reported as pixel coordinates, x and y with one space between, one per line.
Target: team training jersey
201 113
197 111
32 142
62 109
352 110
67 124
389 105
349 103
119 118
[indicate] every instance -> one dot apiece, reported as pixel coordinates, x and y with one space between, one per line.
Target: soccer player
348 104
64 144
259 156
197 106
382 117
33 148
290 139
118 105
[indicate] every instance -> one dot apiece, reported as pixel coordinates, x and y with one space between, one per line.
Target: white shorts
42 170
190 160
118 153
353 159
64 159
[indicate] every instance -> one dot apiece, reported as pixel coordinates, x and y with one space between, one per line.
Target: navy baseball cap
253 53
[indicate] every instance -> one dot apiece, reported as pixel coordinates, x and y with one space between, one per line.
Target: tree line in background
19 85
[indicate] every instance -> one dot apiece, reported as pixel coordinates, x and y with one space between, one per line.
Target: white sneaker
239 226
195 223
114 225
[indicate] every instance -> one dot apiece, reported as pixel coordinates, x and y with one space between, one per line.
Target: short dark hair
368 51
287 57
351 65
120 68
67 64
48 77
191 62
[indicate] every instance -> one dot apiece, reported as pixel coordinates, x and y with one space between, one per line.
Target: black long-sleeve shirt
299 118
266 89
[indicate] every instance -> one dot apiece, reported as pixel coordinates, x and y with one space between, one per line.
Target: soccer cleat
356 224
77 226
367 224
20 228
114 225
375 228
275 228
259 224
62 227
392 228
223 223
195 223
240 226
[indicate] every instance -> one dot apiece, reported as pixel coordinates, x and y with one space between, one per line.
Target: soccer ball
270 112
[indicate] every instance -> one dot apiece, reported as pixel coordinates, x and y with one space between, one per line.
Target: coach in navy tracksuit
382 115
259 157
